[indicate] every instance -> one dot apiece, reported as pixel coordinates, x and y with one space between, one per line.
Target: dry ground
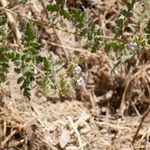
105 115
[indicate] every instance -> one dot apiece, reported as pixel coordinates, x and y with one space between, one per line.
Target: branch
4 4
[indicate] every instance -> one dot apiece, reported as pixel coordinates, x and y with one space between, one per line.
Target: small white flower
78 69
81 82
133 45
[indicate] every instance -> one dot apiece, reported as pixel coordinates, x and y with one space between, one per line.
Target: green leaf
29 40
107 47
119 22
17 70
130 5
78 17
118 32
29 34
53 8
65 14
126 13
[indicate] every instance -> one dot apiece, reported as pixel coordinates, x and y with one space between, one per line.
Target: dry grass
104 115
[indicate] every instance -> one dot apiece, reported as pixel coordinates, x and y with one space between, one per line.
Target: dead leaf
64 138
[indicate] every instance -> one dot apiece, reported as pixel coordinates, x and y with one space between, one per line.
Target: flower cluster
80 80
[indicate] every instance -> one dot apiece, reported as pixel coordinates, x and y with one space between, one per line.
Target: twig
129 80
4 143
76 131
140 125
12 23
17 143
67 47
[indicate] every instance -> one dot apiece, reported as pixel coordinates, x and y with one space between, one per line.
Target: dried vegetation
106 114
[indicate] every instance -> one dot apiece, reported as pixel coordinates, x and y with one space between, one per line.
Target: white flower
81 82
133 45
78 69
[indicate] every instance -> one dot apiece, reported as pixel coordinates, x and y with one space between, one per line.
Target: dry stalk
76 131
113 126
12 23
62 43
4 143
140 125
137 75
17 143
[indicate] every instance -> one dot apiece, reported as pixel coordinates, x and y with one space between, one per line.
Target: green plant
44 71
34 68
131 46
91 33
